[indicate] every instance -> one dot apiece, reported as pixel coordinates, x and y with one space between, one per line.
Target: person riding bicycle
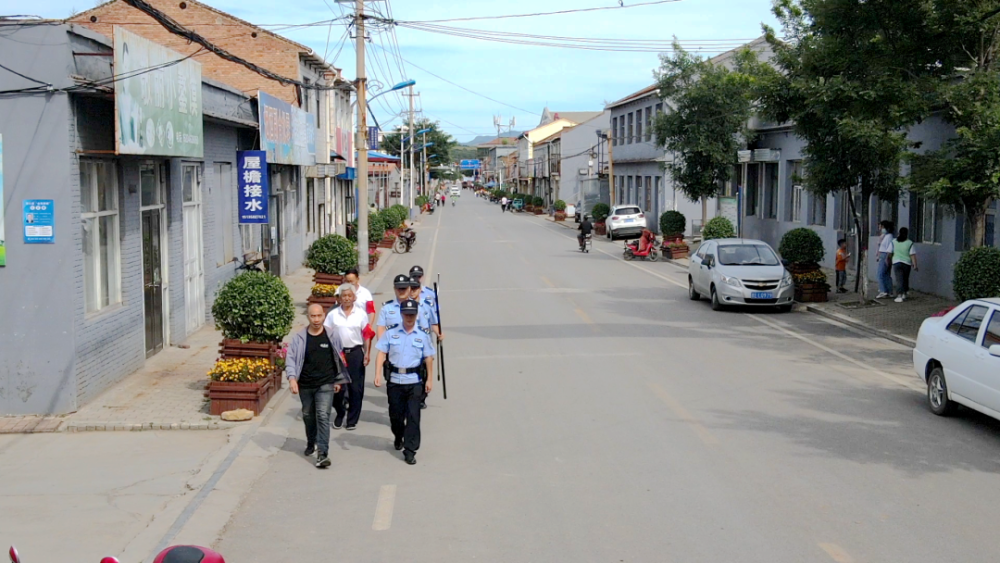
586 227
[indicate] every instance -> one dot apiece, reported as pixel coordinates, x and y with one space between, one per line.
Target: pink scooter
14 558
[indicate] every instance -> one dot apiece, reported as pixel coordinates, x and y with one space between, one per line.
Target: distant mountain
487 138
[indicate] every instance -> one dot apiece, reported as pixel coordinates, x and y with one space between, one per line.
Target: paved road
596 414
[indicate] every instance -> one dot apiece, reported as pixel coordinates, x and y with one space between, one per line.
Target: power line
578 10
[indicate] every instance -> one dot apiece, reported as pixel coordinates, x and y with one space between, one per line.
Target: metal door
194 273
152 279
272 237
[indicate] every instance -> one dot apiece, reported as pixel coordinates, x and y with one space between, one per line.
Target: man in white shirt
503 203
350 323
363 297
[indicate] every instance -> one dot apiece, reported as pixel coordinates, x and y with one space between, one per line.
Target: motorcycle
177 553
587 243
632 251
405 241
15 558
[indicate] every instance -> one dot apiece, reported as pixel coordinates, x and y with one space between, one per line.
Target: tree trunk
977 220
862 231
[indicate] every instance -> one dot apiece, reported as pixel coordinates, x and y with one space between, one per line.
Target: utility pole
425 171
413 139
362 140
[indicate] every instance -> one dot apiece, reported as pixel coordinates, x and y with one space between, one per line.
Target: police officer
427 319
389 316
426 294
407 349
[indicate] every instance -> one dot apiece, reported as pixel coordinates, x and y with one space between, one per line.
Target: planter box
227 396
560 216
802 268
539 211
236 349
675 252
326 302
600 229
811 293
328 279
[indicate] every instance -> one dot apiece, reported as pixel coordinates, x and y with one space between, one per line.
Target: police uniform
427 295
390 317
406 353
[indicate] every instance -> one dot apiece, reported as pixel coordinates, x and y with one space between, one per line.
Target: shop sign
287 133
39 221
157 99
253 186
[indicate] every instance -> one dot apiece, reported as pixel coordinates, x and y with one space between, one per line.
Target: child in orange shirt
841 265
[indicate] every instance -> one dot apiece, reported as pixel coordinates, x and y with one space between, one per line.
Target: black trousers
352 394
404 413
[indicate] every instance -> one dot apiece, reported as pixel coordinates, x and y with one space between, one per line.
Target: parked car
625 221
958 356
735 271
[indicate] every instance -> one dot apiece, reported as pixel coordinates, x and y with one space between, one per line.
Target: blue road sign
470 165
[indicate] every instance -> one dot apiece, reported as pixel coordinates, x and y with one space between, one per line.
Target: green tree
437 155
851 76
965 172
711 106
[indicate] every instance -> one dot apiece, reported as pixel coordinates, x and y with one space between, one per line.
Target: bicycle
252 262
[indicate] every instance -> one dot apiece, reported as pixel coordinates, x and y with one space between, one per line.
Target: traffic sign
470 165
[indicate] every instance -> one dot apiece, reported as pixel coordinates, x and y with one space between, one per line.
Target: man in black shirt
586 227
316 372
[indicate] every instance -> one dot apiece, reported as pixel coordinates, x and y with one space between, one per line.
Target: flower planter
328 279
387 241
227 396
237 349
539 211
600 229
559 216
798 269
674 252
811 293
326 302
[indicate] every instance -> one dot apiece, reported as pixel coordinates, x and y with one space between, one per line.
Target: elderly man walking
316 372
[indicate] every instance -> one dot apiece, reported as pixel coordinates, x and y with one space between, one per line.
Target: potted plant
373 256
241 383
718 227
600 214
538 205
376 230
560 207
324 295
802 249
331 256
672 225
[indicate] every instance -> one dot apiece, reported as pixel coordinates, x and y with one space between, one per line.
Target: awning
376 156
351 174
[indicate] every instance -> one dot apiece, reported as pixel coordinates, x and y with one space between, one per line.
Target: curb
862 327
145 426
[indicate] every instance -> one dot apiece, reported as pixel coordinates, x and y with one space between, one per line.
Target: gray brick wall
220 147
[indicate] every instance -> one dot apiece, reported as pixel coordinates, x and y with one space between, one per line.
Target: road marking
545 356
682 413
893 378
836 553
383 510
547 282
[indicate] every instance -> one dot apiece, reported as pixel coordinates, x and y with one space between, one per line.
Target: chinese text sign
253 196
39 221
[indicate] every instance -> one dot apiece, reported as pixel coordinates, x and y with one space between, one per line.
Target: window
992 336
659 109
746 255
927 226
628 138
968 323
99 219
621 133
750 200
311 205
628 180
227 195
614 129
649 124
627 210
817 209
649 194
638 126
794 197
771 190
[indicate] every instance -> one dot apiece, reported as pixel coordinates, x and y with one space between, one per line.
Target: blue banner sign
470 164
39 221
287 133
253 186
373 138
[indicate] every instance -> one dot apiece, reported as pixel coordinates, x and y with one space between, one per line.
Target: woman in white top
351 324
884 260
904 258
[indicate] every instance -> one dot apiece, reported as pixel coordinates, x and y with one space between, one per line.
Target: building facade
584 155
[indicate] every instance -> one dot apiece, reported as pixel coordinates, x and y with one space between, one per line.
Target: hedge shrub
559 205
600 212
672 224
718 227
802 246
376 228
254 307
421 200
977 274
331 254
538 201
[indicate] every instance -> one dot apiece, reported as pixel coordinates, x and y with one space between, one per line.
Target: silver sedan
739 272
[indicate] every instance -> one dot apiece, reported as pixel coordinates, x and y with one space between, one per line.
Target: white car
456 191
958 356
735 271
625 221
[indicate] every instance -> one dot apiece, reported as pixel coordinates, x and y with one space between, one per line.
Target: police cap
414 282
417 272
401 282
409 307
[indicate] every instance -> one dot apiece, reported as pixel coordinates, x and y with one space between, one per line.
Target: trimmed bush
389 218
376 228
672 224
538 201
977 274
331 254
254 307
600 212
421 200
718 227
802 246
559 205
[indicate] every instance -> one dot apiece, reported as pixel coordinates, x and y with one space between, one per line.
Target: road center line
547 282
893 378
682 413
836 553
384 508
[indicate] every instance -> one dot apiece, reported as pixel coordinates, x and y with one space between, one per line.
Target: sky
525 77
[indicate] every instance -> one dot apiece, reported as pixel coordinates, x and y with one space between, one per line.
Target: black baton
441 377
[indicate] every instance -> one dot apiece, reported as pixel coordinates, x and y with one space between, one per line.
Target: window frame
631 128
649 124
994 316
92 289
614 127
814 199
963 317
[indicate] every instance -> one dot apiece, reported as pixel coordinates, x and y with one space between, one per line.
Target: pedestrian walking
904 259
884 260
351 324
503 204
402 352
316 372
390 317
840 266
363 297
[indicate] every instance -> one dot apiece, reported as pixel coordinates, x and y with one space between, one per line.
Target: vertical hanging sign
252 183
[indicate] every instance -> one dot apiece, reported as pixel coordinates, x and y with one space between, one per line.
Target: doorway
153 182
194 271
272 237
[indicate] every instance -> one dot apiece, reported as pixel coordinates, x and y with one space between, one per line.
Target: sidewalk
168 392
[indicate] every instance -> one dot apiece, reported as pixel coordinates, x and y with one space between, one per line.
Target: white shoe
882 295
900 299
